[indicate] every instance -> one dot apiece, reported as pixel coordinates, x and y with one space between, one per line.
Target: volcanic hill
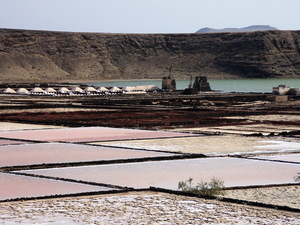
252 28
60 56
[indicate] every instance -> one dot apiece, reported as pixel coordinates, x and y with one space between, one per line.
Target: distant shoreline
85 81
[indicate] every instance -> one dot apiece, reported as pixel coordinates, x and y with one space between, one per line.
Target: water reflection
31 154
17 186
167 174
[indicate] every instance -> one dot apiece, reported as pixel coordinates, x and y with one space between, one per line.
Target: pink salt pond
88 134
11 142
293 158
167 174
31 154
18 186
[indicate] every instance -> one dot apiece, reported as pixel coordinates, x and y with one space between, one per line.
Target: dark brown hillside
54 56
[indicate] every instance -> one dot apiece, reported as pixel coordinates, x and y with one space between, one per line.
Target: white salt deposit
138 209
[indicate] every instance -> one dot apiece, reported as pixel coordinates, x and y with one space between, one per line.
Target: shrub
214 187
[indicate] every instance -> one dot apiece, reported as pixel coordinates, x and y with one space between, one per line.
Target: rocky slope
58 56
244 29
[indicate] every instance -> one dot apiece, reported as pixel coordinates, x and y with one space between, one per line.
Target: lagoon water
245 85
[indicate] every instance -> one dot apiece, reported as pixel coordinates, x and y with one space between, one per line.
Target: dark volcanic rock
53 56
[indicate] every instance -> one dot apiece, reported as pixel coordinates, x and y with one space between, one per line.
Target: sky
147 16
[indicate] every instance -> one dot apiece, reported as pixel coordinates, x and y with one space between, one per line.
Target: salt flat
167 174
18 186
143 207
11 142
7 126
212 145
281 196
246 129
47 153
294 158
139 208
88 134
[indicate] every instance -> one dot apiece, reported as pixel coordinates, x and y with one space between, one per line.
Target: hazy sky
147 16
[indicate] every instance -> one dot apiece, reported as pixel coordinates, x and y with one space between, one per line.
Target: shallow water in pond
85 134
18 186
287 158
167 174
30 154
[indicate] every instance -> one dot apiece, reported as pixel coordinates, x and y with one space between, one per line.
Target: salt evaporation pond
167 174
18 186
293 158
31 154
280 146
11 142
209 145
88 134
10 126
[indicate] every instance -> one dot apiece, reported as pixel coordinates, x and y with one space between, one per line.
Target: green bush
214 187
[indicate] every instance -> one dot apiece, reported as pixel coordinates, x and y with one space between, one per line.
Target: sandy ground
213 145
283 196
265 129
137 208
5 126
280 117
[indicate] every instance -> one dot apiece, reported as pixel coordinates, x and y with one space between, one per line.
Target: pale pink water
30 154
88 134
17 186
167 174
286 158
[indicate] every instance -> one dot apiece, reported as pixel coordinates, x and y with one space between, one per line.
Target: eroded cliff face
60 56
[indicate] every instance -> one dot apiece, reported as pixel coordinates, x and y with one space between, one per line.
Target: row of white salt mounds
78 90
50 90
143 88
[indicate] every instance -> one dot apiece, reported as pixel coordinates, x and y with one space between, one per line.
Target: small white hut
285 90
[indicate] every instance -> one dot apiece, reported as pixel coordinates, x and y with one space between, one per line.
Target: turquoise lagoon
243 85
